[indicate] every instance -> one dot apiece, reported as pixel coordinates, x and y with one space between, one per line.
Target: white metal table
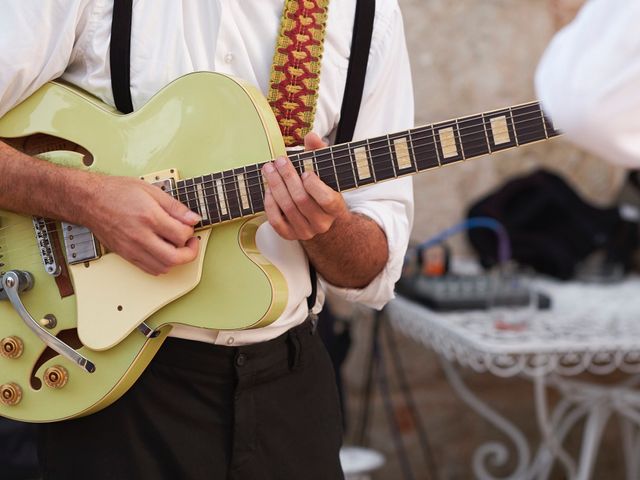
590 328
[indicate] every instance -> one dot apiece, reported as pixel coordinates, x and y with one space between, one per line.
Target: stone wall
470 56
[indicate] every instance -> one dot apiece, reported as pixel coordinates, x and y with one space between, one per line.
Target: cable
504 243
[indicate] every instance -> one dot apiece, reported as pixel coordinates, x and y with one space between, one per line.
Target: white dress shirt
40 41
589 80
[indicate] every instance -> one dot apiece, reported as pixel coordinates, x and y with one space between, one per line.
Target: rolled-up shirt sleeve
387 106
589 81
37 41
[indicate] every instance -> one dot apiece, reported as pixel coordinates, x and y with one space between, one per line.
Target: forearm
130 217
351 253
36 187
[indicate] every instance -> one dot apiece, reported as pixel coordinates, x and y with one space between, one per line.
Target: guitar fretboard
231 194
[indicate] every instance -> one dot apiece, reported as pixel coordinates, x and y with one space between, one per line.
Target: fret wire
261 184
248 191
191 200
216 197
413 153
295 161
513 123
526 117
352 162
459 139
367 150
423 138
236 190
393 164
435 143
333 163
345 166
486 133
544 124
203 199
226 197
211 196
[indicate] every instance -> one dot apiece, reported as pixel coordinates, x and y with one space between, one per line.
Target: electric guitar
78 325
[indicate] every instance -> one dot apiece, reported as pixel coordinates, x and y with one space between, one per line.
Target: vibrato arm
16 281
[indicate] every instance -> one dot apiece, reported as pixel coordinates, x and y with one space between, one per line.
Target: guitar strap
120 58
295 70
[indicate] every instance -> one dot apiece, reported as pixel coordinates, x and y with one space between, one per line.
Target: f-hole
42 143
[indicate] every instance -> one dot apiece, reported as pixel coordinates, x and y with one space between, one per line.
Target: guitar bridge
45 246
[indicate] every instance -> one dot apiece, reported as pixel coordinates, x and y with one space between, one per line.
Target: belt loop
295 350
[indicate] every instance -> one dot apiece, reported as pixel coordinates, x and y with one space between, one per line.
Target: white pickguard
114 297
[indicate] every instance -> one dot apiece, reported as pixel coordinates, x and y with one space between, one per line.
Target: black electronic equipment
471 292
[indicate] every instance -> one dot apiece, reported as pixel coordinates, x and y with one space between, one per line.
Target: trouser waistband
286 349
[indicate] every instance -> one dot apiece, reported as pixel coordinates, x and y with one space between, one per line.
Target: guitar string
485 120
322 166
251 184
413 135
36 255
228 180
533 116
249 169
228 177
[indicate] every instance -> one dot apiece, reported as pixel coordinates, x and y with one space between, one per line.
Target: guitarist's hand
346 248
141 223
300 207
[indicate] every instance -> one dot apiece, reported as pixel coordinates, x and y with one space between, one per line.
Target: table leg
563 420
552 435
494 452
595 423
631 446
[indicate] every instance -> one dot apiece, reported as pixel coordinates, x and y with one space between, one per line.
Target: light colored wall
470 56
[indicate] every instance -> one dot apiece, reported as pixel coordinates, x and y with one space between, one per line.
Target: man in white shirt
588 81
196 412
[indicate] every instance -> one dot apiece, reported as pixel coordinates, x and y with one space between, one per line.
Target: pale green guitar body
200 124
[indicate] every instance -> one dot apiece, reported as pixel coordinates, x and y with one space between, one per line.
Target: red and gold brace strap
295 73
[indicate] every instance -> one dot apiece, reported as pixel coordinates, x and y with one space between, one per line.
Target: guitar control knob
11 347
10 394
56 376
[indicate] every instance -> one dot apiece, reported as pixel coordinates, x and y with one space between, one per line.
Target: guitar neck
231 194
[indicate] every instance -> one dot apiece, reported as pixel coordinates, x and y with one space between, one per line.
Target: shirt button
229 57
230 341
241 360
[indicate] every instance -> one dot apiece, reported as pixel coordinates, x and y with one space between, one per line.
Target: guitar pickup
80 244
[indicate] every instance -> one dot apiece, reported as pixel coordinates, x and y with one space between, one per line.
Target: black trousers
200 411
